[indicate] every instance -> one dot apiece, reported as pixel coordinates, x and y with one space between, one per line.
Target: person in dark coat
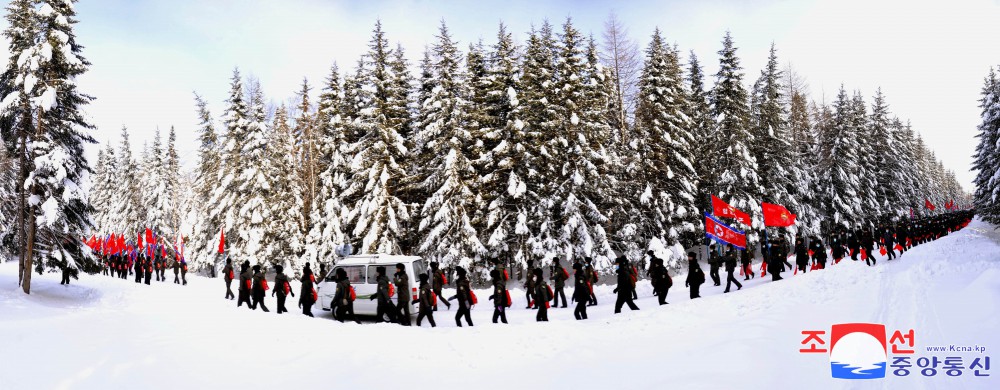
775 266
581 292
227 275
730 261
854 244
625 286
801 254
437 283
837 249
819 252
868 244
282 288
559 276
659 278
541 296
258 290
696 277
529 286
244 286
385 306
307 293
499 296
591 280
177 271
463 292
426 301
184 272
402 282
138 269
714 263
148 272
745 261
65 276
342 298
889 240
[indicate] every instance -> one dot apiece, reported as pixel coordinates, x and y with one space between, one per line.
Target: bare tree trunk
26 281
22 176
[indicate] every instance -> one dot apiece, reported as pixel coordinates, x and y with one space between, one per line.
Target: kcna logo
857 351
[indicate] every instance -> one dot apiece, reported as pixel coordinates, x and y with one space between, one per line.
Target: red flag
720 232
121 243
222 241
149 236
723 209
138 242
929 205
163 252
776 215
882 250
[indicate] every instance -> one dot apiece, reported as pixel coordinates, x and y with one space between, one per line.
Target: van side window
355 273
419 268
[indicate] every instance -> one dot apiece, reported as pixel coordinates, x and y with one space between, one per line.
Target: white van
361 272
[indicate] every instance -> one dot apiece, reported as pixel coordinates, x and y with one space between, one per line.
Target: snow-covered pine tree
378 216
228 183
738 182
447 234
283 235
205 230
307 152
253 188
866 161
888 174
838 194
986 160
804 163
579 182
129 216
699 112
508 171
665 181
154 196
771 147
58 210
326 231
171 175
907 180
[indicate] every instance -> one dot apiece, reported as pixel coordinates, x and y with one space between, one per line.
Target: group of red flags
115 244
774 216
950 205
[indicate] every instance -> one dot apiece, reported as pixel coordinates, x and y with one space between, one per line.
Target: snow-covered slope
103 333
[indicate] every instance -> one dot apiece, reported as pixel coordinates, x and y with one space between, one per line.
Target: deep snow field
105 333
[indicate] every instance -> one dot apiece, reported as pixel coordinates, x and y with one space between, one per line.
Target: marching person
696 277
227 275
591 280
177 272
385 306
889 240
775 266
402 282
307 294
259 289
745 263
801 254
625 286
581 292
245 284
854 244
559 276
837 249
437 282
529 286
463 292
818 252
148 263
542 297
343 298
138 269
714 263
282 288
499 296
426 301
730 260
659 277
184 272
868 244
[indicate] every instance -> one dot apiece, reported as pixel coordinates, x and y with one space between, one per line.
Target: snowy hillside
104 333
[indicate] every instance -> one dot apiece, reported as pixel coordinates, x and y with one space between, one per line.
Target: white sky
929 58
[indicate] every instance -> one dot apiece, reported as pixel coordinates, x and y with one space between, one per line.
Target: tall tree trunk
26 281
22 195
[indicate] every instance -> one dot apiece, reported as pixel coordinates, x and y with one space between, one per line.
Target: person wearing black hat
801 254
463 292
402 282
659 278
343 299
696 277
437 283
282 288
426 301
227 276
581 291
307 295
591 280
714 263
529 286
730 260
244 287
385 306
259 290
542 296
148 271
499 296
559 276
625 286
138 269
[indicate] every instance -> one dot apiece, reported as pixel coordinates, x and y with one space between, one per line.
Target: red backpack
444 278
263 284
508 298
565 274
472 297
315 296
392 290
506 277
354 295
434 298
288 288
231 275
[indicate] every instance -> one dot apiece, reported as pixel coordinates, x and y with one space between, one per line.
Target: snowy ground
103 333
